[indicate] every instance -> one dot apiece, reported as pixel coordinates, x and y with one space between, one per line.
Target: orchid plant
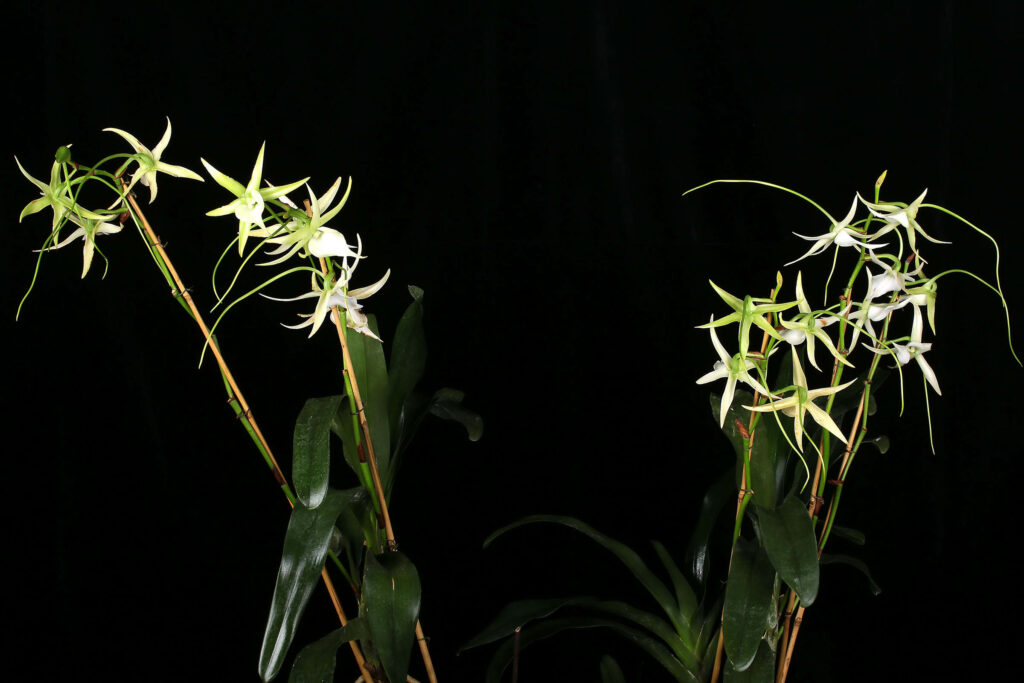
793 469
331 533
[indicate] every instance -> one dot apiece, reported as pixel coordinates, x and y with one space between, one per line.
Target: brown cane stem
155 243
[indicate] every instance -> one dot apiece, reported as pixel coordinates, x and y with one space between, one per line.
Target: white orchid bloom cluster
67 178
895 283
303 234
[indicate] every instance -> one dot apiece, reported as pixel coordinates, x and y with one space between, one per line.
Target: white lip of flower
55 196
87 230
805 327
305 236
889 281
894 214
335 295
841 235
802 402
250 199
914 349
150 164
732 369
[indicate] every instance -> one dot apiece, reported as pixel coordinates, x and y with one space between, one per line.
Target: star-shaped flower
732 369
801 402
747 311
336 295
150 164
841 234
248 207
308 235
55 195
88 229
896 214
806 327
914 349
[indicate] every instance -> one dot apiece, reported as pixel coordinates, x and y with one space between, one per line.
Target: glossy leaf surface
408 356
391 591
371 374
748 599
311 449
315 663
305 548
762 670
788 537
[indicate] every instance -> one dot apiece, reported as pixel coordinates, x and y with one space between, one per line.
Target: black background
523 163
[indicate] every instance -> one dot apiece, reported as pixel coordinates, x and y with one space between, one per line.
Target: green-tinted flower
88 229
150 164
747 311
732 369
55 196
914 349
806 327
801 402
338 295
894 214
248 207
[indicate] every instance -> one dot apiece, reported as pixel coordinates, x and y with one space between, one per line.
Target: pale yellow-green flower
801 402
732 369
150 163
806 327
88 229
250 199
55 195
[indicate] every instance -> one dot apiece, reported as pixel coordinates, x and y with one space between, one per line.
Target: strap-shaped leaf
762 670
611 672
622 551
408 357
686 599
447 405
522 612
748 599
305 548
857 564
391 590
696 558
311 449
371 375
315 662
545 629
769 458
788 537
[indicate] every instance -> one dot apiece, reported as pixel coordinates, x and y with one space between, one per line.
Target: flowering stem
355 400
235 397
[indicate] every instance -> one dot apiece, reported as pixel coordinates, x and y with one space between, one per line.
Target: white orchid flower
338 295
805 327
924 294
732 369
248 207
801 402
896 214
841 234
309 235
54 195
870 312
150 163
88 229
913 350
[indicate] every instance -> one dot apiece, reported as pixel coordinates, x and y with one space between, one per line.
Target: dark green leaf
769 457
503 657
315 662
686 599
851 535
788 537
857 564
447 405
343 427
696 558
514 615
625 554
748 600
408 357
311 449
305 548
735 416
611 672
762 670
391 590
371 374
